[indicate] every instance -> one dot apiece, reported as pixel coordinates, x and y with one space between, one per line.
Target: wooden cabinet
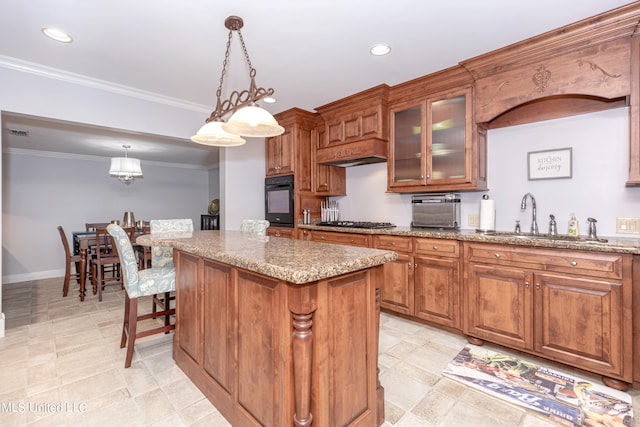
279 153
397 292
352 239
359 116
435 144
569 306
356 126
280 232
423 282
327 180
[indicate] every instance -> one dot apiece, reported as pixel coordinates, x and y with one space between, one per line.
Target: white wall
40 91
600 143
242 171
40 193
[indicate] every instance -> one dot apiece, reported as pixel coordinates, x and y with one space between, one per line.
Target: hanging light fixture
248 119
125 168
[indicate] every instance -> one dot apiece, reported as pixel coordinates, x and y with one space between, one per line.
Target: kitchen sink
543 236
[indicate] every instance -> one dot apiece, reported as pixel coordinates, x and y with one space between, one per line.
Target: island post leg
302 306
302 358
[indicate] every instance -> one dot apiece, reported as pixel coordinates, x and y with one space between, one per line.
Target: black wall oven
278 200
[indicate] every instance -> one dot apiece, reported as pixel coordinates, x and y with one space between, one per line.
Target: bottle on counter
573 226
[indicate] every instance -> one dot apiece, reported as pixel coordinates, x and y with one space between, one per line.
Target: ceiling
311 53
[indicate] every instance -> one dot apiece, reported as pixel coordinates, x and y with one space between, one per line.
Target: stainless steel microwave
436 211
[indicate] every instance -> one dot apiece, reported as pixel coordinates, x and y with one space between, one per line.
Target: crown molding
79 79
86 157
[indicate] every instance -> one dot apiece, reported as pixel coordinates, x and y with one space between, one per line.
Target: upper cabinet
435 144
279 153
357 128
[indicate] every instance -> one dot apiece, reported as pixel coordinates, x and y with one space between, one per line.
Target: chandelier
248 119
125 168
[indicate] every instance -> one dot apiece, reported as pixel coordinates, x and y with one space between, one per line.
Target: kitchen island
279 332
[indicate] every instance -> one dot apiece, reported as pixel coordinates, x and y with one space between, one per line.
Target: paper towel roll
487 215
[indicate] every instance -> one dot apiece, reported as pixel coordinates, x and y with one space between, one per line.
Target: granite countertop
613 244
296 261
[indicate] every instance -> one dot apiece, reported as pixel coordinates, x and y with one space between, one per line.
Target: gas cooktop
357 224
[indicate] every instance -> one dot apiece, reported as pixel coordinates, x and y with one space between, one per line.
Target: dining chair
70 259
140 283
255 226
162 256
143 253
106 255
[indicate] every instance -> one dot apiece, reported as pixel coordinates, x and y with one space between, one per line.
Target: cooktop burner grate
357 224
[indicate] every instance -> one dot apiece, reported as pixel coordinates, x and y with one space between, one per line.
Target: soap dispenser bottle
573 225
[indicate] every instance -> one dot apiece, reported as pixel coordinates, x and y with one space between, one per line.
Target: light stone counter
625 245
295 261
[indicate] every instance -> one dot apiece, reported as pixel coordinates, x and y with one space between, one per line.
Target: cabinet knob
351 241
526 285
393 243
573 263
497 255
434 247
538 286
415 265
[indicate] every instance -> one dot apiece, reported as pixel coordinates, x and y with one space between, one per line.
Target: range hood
362 152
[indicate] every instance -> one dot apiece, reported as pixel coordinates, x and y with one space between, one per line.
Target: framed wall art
549 164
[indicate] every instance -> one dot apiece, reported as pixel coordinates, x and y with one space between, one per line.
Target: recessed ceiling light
269 100
57 35
380 49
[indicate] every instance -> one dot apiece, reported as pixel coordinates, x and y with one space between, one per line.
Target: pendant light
125 168
248 119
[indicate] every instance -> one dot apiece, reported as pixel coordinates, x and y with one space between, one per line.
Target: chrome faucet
553 225
523 206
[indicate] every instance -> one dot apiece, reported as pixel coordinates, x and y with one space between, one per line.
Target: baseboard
17 278
1 325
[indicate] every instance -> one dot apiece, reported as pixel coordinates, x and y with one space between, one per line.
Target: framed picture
549 164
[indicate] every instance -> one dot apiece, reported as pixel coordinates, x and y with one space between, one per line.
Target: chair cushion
152 281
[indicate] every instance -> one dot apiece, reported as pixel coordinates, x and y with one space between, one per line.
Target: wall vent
17 132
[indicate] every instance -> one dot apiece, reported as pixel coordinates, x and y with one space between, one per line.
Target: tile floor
60 364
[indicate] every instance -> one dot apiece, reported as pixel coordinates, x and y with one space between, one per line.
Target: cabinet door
436 290
407 149
397 288
329 180
449 138
498 305
279 153
579 321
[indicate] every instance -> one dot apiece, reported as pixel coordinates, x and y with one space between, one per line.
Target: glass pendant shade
213 134
253 121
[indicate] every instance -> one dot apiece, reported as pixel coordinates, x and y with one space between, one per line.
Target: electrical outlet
473 220
628 225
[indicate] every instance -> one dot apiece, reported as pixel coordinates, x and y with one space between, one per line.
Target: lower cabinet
280 232
352 239
423 281
569 306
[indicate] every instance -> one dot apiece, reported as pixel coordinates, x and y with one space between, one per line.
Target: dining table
82 241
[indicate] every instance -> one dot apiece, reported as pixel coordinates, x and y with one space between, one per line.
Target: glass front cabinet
435 145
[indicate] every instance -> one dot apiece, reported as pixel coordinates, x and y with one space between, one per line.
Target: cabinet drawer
393 243
440 247
341 238
597 264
